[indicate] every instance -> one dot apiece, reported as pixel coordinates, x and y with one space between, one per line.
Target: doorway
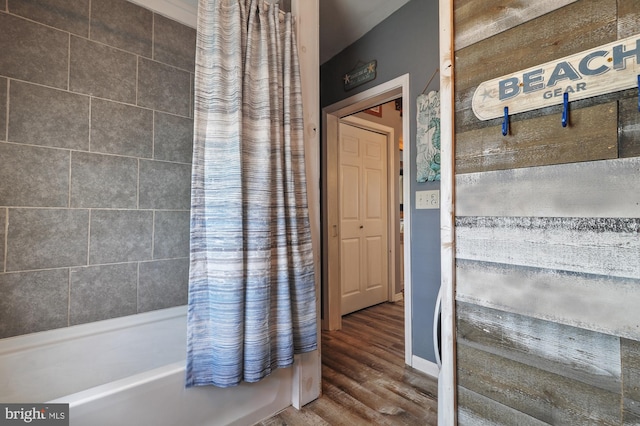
331 288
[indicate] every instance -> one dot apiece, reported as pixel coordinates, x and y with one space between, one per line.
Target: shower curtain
251 282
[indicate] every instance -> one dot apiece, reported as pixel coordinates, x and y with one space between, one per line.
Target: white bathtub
129 371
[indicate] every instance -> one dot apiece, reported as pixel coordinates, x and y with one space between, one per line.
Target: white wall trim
427 367
179 10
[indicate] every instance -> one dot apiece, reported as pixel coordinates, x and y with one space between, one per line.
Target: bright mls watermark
34 414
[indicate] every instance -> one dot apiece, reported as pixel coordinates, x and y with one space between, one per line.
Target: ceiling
342 22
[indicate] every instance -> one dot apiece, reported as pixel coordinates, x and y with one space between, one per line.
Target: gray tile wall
32 176
157 287
45 292
3 108
96 129
67 15
40 56
163 87
102 71
39 115
3 215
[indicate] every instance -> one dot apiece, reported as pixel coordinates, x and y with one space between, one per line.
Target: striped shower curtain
251 285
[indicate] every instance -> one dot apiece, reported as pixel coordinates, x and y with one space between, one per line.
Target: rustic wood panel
590 189
631 413
364 378
477 410
629 142
599 303
579 26
552 263
583 355
631 368
591 135
545 396
476 20
631 378
628 18
465 119
601 246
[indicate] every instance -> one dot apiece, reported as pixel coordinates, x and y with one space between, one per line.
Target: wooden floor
364 377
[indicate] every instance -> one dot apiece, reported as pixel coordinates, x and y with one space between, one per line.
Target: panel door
363 218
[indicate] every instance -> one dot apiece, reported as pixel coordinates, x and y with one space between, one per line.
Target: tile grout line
90 110
70 184
70 176
32 145
153 36
69 297
108 209
5 246
89 29
89 237
6 124
137 77
58 268
153 234
69 64
138 188
138 289
153 135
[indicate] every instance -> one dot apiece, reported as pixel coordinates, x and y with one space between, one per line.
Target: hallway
364 379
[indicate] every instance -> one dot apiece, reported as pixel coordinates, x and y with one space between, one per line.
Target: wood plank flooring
364 378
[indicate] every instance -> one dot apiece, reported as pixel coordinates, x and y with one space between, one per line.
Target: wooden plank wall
547 226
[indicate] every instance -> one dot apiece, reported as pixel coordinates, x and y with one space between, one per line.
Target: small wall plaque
360 75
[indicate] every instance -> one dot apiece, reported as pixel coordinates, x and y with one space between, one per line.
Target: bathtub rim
31 341
101 391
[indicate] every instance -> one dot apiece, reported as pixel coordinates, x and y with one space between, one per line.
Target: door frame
447 380
393 227
331 115
306 383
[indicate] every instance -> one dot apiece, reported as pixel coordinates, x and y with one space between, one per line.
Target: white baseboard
398 297
427 367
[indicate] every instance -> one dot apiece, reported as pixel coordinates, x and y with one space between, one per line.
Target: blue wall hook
565 110
505 122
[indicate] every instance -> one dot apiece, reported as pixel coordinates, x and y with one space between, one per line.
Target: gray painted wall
406 42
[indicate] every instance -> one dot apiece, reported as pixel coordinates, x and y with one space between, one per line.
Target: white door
363 218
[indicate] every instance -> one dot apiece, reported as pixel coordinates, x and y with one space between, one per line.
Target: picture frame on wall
376 110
